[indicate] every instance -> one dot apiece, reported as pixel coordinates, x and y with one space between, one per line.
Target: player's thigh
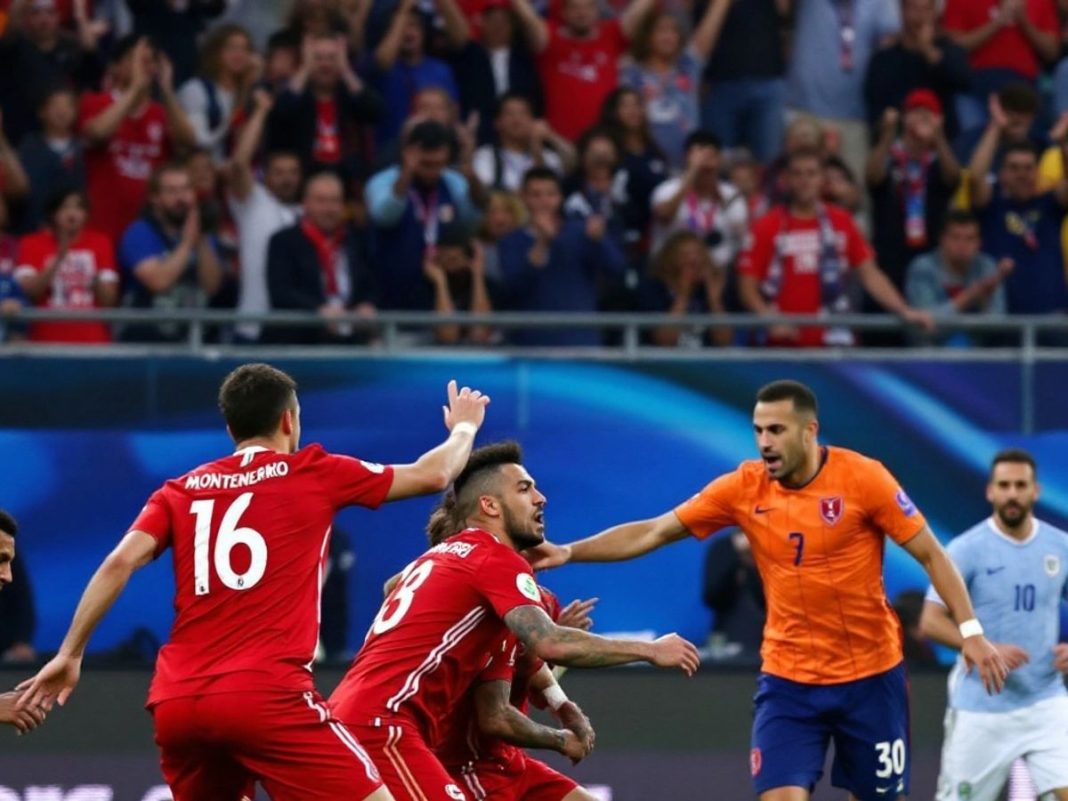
977 755
871 737
407 766
1047 753
789 740
300 754
542 783
195 763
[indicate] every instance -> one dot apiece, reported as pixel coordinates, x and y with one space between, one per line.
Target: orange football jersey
819 550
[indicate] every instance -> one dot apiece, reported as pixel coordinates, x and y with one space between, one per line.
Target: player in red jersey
482 746
451 610
232 698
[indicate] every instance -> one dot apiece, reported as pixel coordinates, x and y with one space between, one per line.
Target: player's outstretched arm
937 624
438 467
975 648
56 680
576 648
616 544
498 718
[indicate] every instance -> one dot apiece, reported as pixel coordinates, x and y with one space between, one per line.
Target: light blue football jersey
1016 589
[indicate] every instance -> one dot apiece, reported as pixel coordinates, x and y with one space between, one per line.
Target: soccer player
449 613
233 698
816 517
1016 569
29 717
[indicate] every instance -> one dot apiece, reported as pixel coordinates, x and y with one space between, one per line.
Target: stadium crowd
675 156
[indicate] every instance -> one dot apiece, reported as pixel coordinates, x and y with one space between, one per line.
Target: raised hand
465 406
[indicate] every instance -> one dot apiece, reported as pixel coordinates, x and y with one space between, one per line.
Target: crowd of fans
343 157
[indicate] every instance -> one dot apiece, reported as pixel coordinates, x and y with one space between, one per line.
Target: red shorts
522 779
407 765
215 747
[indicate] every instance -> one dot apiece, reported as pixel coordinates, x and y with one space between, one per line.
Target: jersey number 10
229 536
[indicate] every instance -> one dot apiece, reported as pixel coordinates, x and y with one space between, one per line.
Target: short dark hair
281 153
252 399
1019 97
125 44
429 135
542 174
803 398
58 197
804 154
1013 456
8 524
474 480
155 180
1020 147
512 96
52 91
959 217
702 137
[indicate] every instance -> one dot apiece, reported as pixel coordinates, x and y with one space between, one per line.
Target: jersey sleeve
502 663
961 556
506 581
354 482
858 250
887 504
155 520
712 508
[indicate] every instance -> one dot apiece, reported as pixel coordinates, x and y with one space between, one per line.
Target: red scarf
326 248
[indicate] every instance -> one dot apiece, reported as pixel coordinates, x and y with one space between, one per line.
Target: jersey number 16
229 536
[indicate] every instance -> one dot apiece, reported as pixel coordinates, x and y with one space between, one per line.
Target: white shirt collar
1018 543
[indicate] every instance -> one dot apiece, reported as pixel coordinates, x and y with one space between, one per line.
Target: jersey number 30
229 535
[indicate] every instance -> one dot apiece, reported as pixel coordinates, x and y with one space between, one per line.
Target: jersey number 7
229 535
798 539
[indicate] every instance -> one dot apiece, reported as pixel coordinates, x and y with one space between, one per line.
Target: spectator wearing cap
1007 42
921 58
38 55
912 175
492 66
52 158
957 277
322 111
833 43
407 204
129 135
701 202
522 142
67 266
1022 224
554 264
745 101
666 70
400 67
175 26
456 269
320 264
799 259
577 58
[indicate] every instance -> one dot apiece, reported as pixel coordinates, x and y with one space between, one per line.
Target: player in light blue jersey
1016 569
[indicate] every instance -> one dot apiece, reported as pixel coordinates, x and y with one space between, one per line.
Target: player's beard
1013 513
524 533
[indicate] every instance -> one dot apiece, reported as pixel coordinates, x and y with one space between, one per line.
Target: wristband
554 696
465 428
971 628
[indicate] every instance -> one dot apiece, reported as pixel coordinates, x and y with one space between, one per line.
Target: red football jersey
117 172
435 633
250 534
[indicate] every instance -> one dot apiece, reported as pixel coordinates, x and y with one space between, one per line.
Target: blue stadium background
84 443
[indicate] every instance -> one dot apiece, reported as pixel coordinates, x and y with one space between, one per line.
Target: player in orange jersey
816 518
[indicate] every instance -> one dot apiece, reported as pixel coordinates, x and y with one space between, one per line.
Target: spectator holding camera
912 175
699 201
800 257
129 135
685 280
456 269
67 266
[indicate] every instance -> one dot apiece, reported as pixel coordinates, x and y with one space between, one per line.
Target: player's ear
288 422
990 491
489 506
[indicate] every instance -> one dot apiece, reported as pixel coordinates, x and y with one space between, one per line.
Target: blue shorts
868 720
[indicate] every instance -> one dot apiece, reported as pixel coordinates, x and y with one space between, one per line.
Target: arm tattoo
509 723
564 646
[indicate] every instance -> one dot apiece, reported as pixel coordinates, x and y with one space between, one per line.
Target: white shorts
980 747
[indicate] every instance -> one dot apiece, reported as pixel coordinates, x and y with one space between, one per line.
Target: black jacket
295 281
478 92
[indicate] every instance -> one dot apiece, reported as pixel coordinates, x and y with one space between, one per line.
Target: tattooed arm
576 648
498 718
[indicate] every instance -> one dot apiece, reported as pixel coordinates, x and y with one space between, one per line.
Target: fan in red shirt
799 256
128 134
66 266
449 613
1018 37
232 698
578 58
